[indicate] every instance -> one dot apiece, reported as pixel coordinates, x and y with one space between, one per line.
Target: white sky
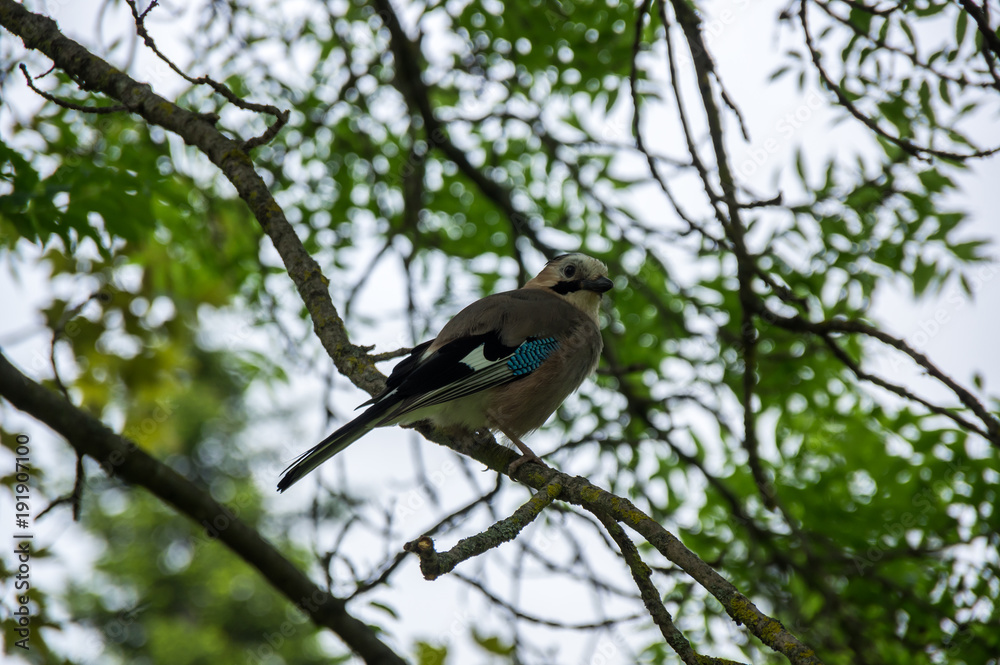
746 46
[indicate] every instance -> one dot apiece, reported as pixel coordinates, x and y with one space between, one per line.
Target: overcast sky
957 334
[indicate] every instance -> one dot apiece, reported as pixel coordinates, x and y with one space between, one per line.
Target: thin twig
822 328
911 148
280 116
642 576
75 497
434 564
551 623
987 32
66 104
386 571
696 160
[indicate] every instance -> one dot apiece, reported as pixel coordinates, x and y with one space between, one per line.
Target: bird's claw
524 459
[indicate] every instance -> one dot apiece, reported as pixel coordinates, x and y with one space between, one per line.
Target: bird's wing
465 366
494 341
430 376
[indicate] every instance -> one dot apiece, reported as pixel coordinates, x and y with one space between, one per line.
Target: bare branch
123 458
42 33
987 32
280 116
66 104
911 148
651 598
451 518
579 491
562 625
434 564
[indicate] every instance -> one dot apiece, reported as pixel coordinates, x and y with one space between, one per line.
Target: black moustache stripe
562 288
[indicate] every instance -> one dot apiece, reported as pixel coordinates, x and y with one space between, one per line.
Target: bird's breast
525 404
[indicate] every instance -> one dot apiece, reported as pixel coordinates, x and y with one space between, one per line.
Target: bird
504 363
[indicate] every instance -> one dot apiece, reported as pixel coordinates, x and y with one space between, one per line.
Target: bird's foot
527 454
524 459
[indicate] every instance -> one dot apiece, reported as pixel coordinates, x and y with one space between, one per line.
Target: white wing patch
486 374
476 359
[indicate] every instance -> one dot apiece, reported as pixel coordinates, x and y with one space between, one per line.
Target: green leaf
428 654
961 27
934 181
923 273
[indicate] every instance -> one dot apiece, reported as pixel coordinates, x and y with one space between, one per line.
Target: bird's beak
599 285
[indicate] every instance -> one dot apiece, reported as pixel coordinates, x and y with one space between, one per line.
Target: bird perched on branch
504 363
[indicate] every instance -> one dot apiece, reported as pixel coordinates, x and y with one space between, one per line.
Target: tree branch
64 103
92 73
911 148
824 328
434 564
746 267
94 438
643 577
280 116
989 35
579 491
121 457
409 81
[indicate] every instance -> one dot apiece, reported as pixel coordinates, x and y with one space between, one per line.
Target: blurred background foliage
449 159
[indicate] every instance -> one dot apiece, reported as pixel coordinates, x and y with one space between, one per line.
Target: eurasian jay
503 363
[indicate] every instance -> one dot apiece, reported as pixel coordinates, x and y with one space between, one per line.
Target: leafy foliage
455 153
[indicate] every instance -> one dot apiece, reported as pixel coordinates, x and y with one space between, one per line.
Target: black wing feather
415 377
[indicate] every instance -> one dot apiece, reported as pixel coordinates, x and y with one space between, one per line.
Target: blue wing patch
531 354
462 367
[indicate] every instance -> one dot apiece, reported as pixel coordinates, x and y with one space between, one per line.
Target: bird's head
578 278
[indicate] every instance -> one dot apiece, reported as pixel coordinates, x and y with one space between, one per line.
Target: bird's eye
569 270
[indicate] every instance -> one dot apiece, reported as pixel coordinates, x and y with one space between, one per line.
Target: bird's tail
330 446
